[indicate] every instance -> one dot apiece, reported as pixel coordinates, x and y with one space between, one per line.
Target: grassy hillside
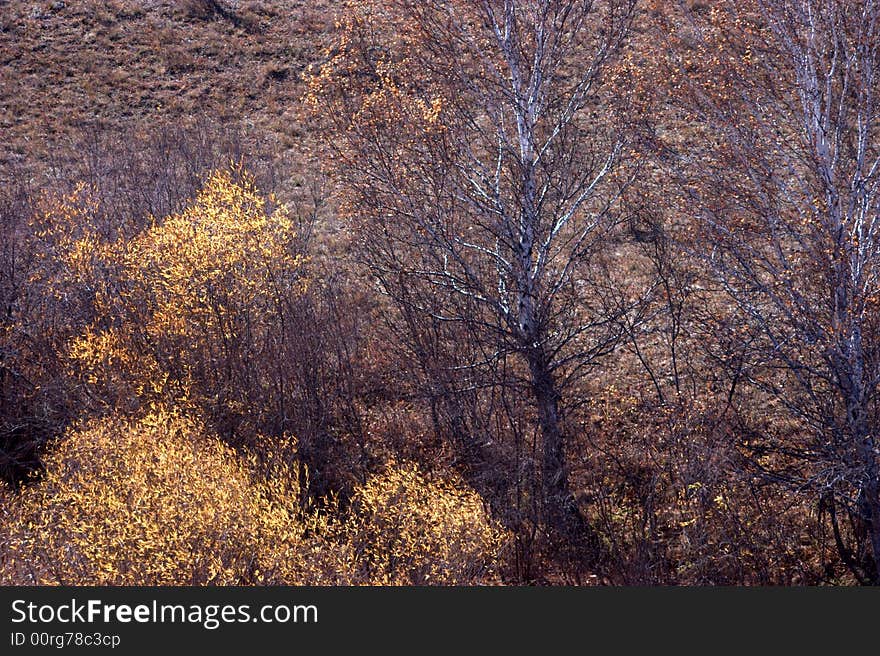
68 66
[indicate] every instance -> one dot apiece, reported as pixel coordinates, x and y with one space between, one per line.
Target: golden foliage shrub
407 529
64 253
196 312
152 502
160 501
52 247
67 247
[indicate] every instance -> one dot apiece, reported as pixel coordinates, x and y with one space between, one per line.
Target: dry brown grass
137 63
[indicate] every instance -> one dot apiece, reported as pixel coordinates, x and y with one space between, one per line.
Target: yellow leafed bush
152 502
196 310
408 529
159 501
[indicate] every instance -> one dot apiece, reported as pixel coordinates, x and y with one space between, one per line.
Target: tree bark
869 497
561 514
871 493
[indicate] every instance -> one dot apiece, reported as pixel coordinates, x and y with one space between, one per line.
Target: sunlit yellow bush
196 310
62 258
408 529
152 502
69 244
159 501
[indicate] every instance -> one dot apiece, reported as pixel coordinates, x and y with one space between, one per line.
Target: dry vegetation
70 68
369 293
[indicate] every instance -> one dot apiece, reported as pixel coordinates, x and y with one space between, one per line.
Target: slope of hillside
66 66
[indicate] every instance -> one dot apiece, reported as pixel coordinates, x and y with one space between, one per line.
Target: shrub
408 529
152 502
160 501
197 308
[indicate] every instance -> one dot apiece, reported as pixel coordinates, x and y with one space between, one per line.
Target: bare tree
486 168
787 193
